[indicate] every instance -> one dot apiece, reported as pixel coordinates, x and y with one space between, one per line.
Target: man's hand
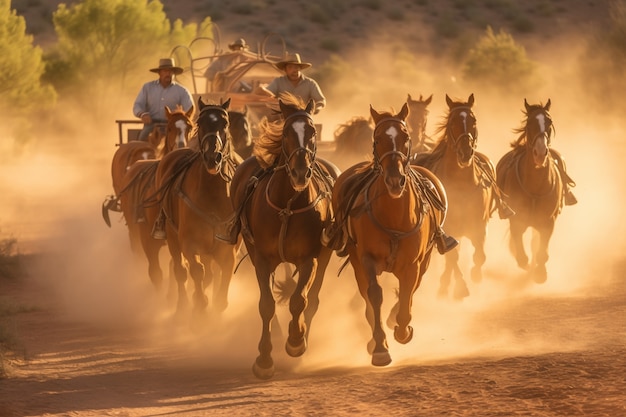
146 119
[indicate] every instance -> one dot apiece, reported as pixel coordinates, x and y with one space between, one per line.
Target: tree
21 67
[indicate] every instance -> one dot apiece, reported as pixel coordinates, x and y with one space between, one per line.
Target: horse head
179 128
212 126
298 143
538 132
240 129
392 148
418 115
461 131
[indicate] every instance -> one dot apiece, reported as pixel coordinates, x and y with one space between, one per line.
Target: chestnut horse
530 177
138 184
283 197
240 131
469 179
389 212
193 187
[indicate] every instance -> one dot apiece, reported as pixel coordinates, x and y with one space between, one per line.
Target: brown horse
469 179
353 140
530 177
240 131
418 116
283 196
138 184
193 187
390 211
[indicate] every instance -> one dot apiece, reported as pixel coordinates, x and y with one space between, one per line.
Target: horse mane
268 146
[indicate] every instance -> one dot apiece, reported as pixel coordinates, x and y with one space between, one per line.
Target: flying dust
51 204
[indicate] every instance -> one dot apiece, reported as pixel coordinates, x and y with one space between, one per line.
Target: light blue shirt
153 98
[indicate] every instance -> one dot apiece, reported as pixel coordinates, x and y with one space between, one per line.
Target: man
295 82
238 52
155 95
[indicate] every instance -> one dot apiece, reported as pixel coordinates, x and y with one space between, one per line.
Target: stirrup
570 199
505 211
230 234
445 243
158 230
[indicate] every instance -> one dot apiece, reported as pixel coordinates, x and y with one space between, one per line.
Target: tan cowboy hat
168 63
292 59
241 43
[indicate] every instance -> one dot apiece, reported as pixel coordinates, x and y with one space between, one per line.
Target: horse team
287 204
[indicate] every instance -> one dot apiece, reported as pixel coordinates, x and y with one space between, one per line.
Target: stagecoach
236 82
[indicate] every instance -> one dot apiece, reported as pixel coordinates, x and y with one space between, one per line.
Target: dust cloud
52 195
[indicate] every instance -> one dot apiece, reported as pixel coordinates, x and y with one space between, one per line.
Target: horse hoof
442 293
461 291
381 358
295 351
405 340
262 373
370 346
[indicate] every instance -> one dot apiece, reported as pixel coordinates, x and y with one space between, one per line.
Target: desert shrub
498 62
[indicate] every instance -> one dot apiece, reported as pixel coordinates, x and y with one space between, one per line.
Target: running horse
193 186
469 179
137 185
531 179
388 213
240 131
418 117
282 197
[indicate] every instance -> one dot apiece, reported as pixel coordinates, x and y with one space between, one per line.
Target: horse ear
190 112
168 112
201 104
547 106
448 100
375 115
245 110
470 100
310 106
404 112
428 100
226 104
526 105
408 97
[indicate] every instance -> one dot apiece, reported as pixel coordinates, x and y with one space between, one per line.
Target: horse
532 182
353 139
282 198
192 186
164 138
418 116
240 131
139 183
389 213
469 179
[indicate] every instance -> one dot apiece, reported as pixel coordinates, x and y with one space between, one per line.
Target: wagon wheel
263 51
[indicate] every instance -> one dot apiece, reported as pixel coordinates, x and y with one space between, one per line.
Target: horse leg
263 367
403 332
446 275
478 241
540 273
296 342
516 243
151 249
180 272
226 258
374 292
313 299
197 271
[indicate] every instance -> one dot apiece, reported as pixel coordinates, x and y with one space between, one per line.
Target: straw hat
168 63
239 43
292 59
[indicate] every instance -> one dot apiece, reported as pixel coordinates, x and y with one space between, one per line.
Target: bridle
394 152
218 133
309 148
472 138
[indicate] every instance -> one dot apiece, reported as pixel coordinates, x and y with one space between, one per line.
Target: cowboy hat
168 63
292 59
241 43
